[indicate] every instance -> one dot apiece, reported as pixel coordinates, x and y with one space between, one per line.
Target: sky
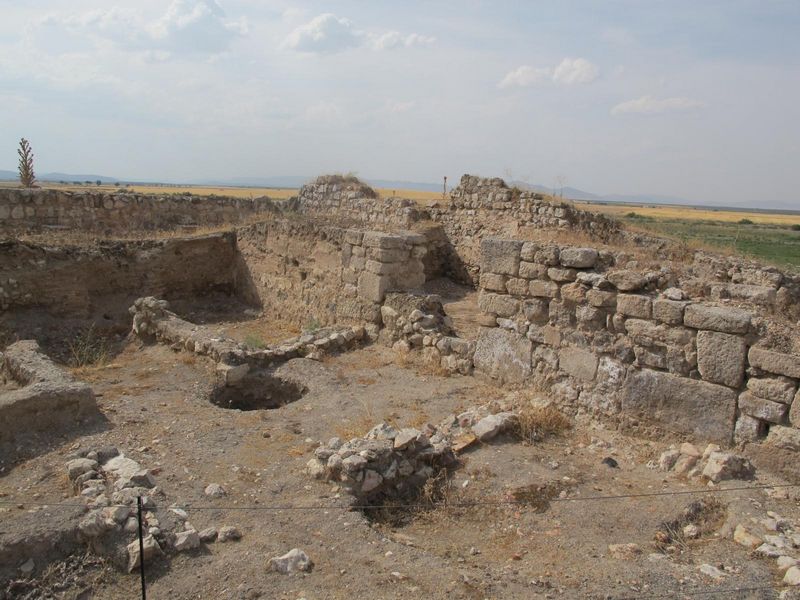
699 100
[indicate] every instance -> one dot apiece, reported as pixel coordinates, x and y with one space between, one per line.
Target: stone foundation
47 398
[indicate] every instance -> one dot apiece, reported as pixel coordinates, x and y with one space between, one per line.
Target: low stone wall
350 201
47 399
152 319
37 210
79 280
636 345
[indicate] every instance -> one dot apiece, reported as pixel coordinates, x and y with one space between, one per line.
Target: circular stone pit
257 391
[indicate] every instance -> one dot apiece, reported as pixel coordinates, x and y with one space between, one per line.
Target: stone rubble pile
417 322
386 463
711 464
773 537
110 484
390 463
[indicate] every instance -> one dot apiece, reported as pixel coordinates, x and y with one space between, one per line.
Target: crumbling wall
72 280
644 347
482 207
48 399
306 272
41 209
349 201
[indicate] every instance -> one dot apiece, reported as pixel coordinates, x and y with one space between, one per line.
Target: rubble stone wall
37 210
352 202
47 399
73 280
645 347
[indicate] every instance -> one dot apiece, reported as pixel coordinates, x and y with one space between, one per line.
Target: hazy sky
699 99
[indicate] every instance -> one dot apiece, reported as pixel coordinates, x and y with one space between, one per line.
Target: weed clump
535 423
89 348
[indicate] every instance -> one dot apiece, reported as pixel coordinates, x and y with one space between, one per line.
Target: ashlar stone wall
634 345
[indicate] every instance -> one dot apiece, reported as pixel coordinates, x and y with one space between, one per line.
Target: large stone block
787 438
634 305
777 389
500 256
499 304
627 281
372 287
721 357
503 355
493 282
580 258
378 239
766 410
681 405
725 320
775 362
668 311
794 411
601 299
543 289
581 364
531 270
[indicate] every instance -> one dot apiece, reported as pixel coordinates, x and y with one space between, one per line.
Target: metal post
141 547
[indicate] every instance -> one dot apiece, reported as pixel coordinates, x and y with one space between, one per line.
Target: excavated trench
257 391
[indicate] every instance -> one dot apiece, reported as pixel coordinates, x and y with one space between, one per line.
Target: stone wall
348 201
644 347
37 210
71 280
47 398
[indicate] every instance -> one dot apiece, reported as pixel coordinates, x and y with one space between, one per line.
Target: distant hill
13 176
295 181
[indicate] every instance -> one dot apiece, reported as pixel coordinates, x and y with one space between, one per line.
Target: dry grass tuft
534 423
89 348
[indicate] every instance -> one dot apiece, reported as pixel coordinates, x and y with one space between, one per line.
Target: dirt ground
554 543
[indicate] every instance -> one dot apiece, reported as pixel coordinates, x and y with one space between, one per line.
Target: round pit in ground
257 391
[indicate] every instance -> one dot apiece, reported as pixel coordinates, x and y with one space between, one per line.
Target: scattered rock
208 535
151 550
724 465
228 534
186 540
624 551
792 576
745 538
490 426
610 462
215 490
292 561
27 568
691 531
712 572
79 466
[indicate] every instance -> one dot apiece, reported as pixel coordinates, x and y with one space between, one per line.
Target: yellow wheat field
668 212
691 214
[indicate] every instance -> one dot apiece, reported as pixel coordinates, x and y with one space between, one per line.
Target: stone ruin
620 327
701 348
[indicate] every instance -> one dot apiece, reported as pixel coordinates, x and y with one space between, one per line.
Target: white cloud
648 105
569 71
328 34
524 76
324 34
187 27
575 70
395 39
196 26
400 107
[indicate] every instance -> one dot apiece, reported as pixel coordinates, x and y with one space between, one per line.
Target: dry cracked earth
575 515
